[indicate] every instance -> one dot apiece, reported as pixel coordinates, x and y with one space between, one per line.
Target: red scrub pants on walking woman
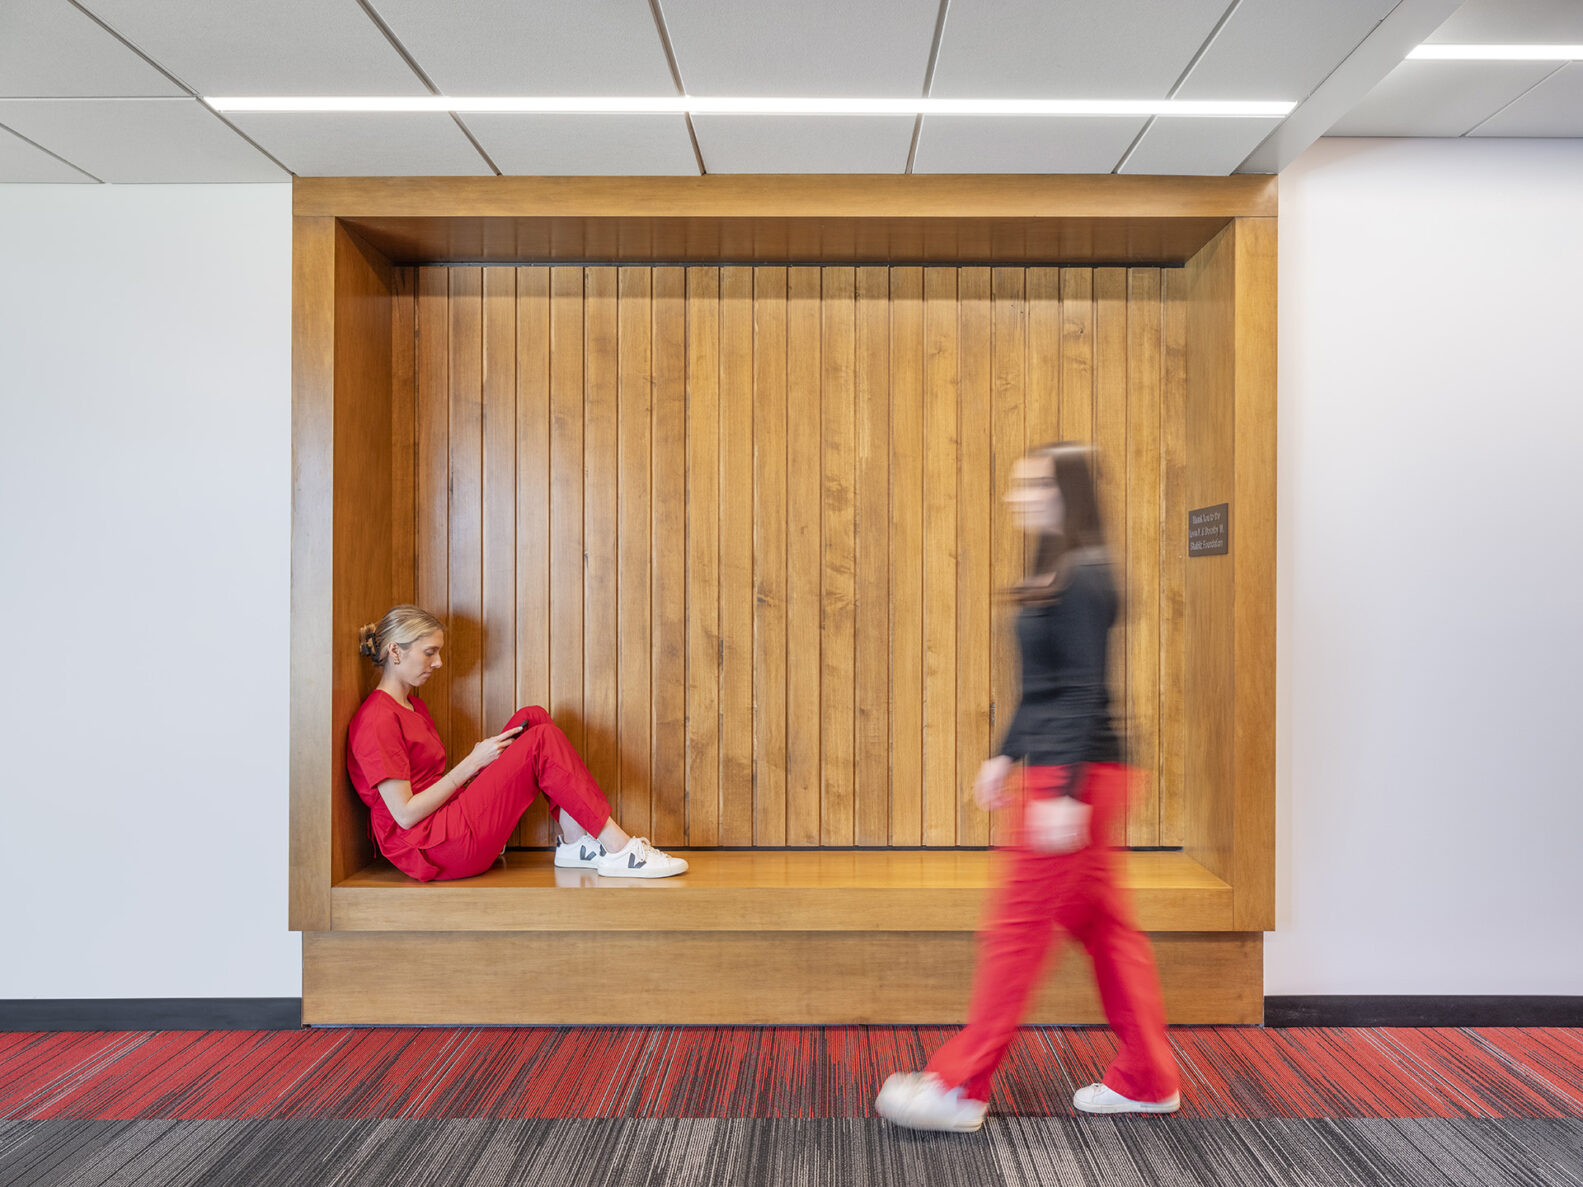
541 758
1080 894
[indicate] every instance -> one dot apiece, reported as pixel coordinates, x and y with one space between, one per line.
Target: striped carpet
792 1105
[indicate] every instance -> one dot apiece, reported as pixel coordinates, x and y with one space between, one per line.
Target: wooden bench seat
750 890
745 936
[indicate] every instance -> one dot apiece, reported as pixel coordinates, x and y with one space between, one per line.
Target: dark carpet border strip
285 1013
1440 1011
151 1013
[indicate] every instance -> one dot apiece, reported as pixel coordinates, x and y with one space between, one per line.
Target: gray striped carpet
1121 1152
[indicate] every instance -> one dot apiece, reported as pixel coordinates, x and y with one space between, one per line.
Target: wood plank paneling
735 525
741 531
1173 561
601 618
803 554
404 435
974 552
871 775
838 654
906 583
669 670
635 641
769 556
703 556
532 514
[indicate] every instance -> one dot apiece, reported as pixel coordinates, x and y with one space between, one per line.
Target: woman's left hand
1056 825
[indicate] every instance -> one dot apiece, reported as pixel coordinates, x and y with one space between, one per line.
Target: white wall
1431 569
145 470
1430 573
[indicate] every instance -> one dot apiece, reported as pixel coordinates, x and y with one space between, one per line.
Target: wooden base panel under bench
724 977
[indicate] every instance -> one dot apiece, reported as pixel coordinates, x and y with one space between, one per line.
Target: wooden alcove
865 910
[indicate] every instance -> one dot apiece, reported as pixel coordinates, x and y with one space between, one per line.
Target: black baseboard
1354 1010
151 1013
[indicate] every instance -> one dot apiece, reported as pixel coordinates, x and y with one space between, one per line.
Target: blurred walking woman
1061 869
433 823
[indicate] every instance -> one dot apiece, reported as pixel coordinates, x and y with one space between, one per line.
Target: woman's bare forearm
408 809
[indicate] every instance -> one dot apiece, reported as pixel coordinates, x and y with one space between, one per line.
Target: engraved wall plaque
1209 530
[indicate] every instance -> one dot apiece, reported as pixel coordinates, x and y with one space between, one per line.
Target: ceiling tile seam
928 81
193 94
1318 86
422 75
1181 80
1516 98
676 77
49 153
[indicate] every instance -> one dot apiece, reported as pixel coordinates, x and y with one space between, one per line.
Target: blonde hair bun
402 625
368 641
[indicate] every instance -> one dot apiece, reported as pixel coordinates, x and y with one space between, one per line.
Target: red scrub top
386 740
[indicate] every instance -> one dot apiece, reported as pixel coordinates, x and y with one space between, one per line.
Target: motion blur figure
1060 871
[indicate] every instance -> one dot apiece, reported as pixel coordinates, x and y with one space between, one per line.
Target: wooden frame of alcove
489 941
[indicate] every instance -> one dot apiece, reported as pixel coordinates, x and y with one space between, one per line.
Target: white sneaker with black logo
1099 1098
581 854
639 859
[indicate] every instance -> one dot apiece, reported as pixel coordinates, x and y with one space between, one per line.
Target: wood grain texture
803 557
669 585
906 580
871 590
1138 532
499 524
403 435
1253 565
433 515
314 776
1010 397
974 556
743 978
703 556
635 413
532 514
1110 443
601 613
567 310
1077 354
735 525
940 413
791 196
464 623
838 624
769 556
1173 561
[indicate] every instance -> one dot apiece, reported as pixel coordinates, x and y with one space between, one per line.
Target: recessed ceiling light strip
755 105
1497 53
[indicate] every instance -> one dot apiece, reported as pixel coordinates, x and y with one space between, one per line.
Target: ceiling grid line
191 93
47 152
1560 66
1180 80
928 80
676 77
412 64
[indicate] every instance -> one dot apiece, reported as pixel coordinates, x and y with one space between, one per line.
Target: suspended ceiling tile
1188 145
1438 98
1513 22
1281 49
1553 108
1069 49
49 49
873 49
1023 144
509 47
594 145
365 144
21 161
132 140
274 47
804 144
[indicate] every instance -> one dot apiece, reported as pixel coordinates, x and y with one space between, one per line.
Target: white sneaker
581 854
638 859
1096 1098
918 1100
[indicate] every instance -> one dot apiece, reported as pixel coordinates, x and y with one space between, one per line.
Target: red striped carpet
594 1105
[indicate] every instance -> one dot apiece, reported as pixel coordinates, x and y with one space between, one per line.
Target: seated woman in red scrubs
433 823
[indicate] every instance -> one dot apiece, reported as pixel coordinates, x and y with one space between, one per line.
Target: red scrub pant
483 814
1079 894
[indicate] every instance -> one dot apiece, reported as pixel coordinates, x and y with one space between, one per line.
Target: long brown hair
1074 464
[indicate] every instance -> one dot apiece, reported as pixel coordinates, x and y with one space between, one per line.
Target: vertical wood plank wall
738 528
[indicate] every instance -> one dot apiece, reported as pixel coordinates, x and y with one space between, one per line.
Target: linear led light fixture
1498 53
693 105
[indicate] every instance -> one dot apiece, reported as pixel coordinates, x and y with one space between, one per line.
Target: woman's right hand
490 749
989 788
